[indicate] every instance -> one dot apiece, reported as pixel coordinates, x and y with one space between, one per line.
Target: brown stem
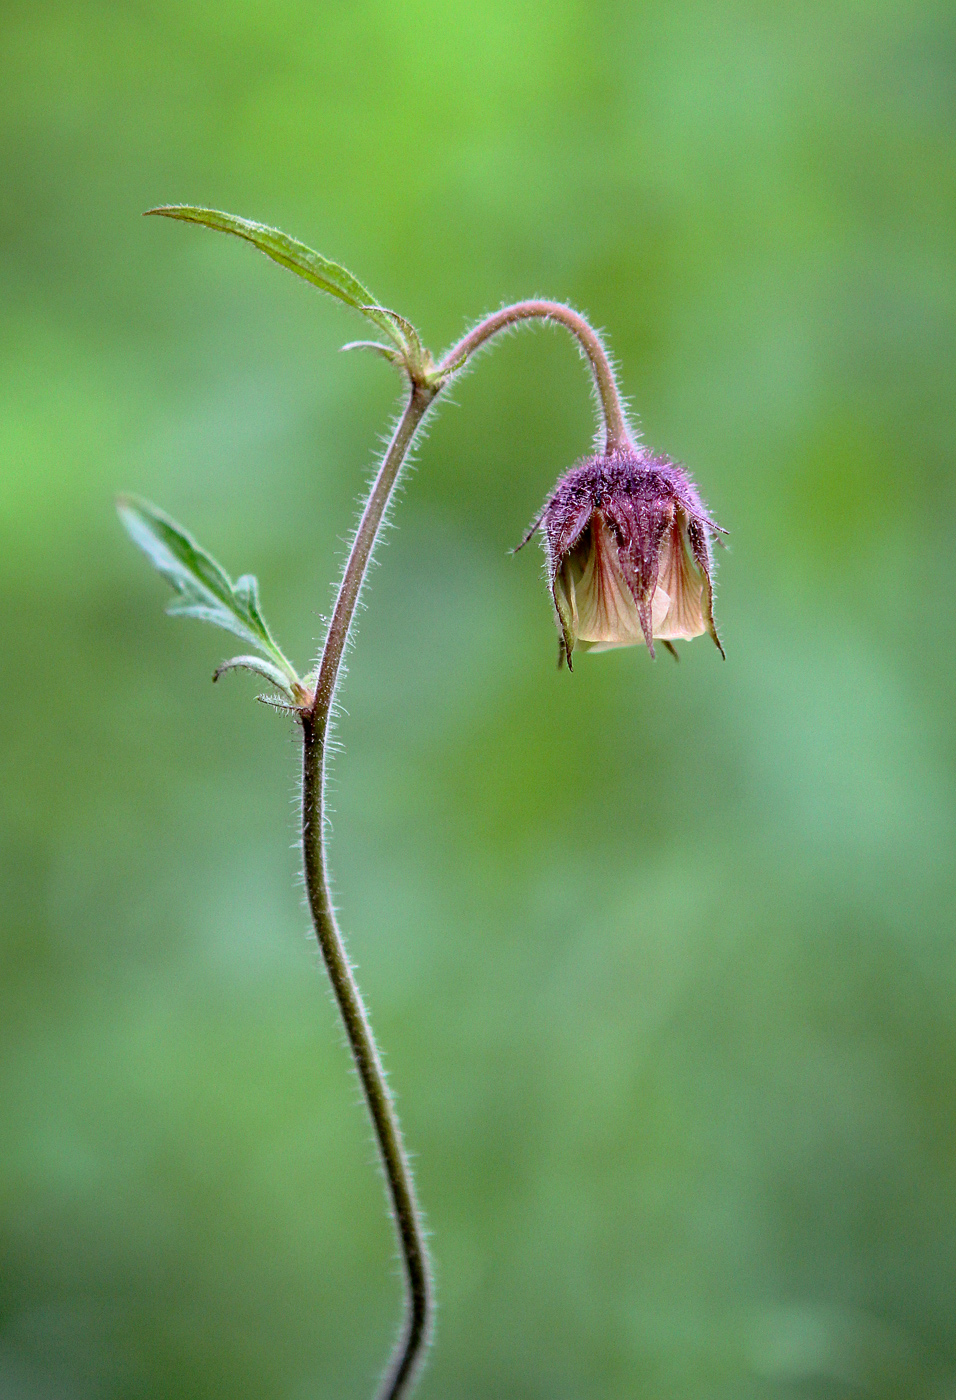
418 404
411 1346
413 1341
617 436
410 1349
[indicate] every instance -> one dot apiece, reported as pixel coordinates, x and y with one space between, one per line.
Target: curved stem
413 1341
314 717
418 404
401 1189
617 436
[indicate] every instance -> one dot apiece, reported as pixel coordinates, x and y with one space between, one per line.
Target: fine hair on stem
204 590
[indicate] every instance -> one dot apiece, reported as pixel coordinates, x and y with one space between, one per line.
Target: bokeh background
662 957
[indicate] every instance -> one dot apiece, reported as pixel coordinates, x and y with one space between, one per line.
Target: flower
628 546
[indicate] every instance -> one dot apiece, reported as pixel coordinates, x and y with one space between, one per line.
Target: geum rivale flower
629 559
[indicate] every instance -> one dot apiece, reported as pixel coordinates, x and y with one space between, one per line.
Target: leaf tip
128 507
126 510
169 211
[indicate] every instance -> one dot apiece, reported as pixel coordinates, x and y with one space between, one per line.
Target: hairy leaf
203 587
388 351
412 339
289 252
261 668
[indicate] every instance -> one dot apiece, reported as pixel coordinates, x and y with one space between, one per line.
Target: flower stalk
616 434
424 387
412 1344
594 607
314 717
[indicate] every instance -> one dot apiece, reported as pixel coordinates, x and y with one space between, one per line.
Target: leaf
262 668
289 252
204 588
388 351
445 371
412 339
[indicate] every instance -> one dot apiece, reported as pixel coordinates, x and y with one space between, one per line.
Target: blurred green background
662 957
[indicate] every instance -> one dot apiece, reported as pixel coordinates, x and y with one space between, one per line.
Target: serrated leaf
261 668
328 276
246 591
205 591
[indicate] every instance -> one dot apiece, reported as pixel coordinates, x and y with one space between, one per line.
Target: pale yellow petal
680 588
604 613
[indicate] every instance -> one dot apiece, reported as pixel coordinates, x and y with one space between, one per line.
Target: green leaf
204 588
388 351
288 252
412 340
261 668
444 372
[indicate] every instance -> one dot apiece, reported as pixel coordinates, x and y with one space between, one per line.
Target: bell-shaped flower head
628 545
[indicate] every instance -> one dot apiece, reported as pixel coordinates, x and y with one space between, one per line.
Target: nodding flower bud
628 546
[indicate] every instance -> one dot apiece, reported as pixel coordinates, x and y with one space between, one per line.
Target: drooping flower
628 546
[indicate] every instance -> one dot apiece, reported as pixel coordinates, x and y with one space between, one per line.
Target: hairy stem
401 1188
616 431
314 717
418 404
413 1341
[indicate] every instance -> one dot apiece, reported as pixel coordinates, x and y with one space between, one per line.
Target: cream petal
681 583
603 611
660 606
